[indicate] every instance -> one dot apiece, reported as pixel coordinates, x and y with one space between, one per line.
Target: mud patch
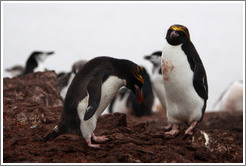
167 68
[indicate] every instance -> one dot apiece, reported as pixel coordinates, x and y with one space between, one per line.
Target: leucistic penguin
185 80
157 78
126 99
232 97
35 62
91 91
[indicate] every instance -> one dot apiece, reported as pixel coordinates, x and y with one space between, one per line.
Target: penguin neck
40 65
123 68
156 68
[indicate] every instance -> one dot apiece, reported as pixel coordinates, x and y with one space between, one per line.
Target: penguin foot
168 127
99 138
88 141
174 131
192 126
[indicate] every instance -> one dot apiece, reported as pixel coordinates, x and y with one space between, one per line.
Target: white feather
183 102
109 89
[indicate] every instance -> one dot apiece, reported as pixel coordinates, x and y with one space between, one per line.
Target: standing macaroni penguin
185 80
91 91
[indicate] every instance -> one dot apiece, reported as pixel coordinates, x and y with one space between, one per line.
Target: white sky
125 30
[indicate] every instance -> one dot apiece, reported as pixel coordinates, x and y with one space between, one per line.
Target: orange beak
139 94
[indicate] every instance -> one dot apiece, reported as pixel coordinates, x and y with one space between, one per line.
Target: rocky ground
32 107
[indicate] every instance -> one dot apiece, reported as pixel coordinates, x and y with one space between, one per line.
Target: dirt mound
32 107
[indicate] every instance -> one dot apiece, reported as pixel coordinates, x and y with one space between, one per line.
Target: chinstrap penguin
16 70
185 80
157 78
130 101
91 91
232 97
35 62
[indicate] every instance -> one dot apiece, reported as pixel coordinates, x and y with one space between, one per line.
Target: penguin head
177 34
41 56
154 58
136 80
78 65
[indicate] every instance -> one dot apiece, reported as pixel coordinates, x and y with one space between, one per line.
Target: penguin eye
182 29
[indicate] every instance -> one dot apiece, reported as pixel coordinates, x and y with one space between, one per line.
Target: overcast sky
125 30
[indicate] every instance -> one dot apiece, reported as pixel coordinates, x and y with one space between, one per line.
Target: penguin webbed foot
99 138
88 141
174 131
189 129
95 138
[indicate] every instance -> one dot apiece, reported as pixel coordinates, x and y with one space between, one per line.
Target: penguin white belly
109 89
183 102
40 68
120 104
63 92
233 98
158 85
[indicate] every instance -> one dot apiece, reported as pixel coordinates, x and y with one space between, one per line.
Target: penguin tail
55 133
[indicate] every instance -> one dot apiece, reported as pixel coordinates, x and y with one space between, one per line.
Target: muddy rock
32 107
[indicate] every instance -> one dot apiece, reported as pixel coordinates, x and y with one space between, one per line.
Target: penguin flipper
200 82
94 90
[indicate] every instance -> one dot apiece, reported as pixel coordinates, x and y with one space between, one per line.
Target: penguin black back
31 63
87 84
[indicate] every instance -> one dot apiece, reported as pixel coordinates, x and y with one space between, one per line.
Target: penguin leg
88 141
192 126
174 131
99 138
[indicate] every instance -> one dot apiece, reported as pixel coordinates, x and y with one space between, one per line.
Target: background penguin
90 92
130 102
157 78
232 97
185 80
16 70
35 62
65 79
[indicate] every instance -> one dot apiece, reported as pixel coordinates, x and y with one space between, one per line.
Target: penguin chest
158 85
176 70
183 102
109 90
39 68
175 65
